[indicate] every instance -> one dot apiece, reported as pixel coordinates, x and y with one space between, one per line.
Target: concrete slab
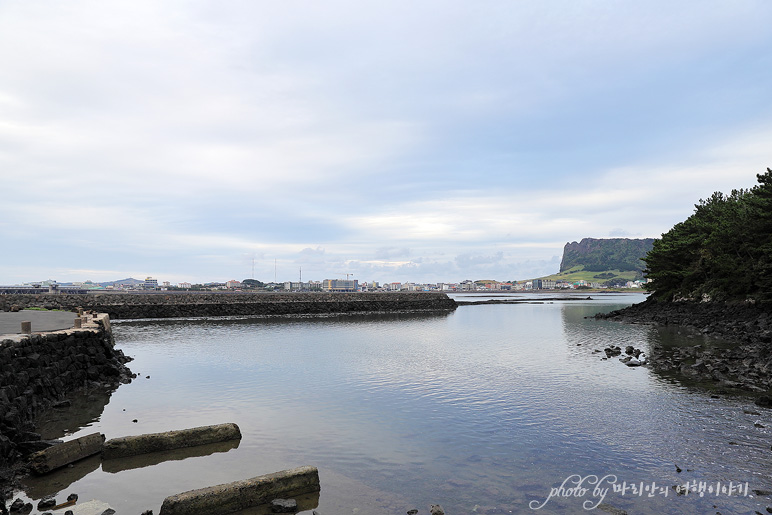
10 323
92 507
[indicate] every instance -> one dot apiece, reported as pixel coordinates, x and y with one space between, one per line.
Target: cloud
403 140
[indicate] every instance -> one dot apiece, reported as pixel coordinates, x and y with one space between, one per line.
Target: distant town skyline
429 142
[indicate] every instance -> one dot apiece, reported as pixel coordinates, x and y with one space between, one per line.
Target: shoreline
744 364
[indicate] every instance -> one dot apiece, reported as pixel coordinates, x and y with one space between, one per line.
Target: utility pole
274 270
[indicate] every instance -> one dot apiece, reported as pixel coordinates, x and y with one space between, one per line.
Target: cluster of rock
181 305
633 357
40 370
745 364
47 503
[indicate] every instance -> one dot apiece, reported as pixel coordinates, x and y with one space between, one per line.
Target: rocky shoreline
740 359
42 371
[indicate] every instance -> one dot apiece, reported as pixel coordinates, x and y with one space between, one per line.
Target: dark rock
68 512
109 511
46 502
17 505
147 512
611 509
436 509
412 512
284 506
764 401
72 497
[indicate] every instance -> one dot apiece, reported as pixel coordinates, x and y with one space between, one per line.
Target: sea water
490 409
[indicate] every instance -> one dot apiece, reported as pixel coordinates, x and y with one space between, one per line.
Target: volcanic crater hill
598 255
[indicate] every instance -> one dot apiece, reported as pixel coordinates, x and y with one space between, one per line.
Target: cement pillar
78 323
239 495
26 327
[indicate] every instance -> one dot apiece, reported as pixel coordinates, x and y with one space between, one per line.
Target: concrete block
78 323
92 507
65 453
239 495
154 442
26 327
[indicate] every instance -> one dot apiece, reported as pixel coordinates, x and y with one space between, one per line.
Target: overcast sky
418 141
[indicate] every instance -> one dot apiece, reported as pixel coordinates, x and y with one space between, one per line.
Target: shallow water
483 410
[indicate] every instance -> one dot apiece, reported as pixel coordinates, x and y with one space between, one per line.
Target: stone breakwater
745 364
40 370
182 305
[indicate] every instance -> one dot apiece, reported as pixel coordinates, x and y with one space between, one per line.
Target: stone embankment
40 370
181 305
746 363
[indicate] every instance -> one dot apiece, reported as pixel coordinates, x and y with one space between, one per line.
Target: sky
400 141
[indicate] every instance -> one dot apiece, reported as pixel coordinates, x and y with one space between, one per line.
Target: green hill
605 255
610 261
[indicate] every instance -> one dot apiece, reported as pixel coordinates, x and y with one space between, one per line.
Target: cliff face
598 255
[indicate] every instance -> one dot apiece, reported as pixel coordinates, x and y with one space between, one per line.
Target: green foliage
723 250
252 283
602 255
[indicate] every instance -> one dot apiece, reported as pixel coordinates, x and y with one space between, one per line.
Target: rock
764 401
629 350
62 404
17 505
147 512
72 497
109 511
46 502
69 512
633 363
611 509
284 506
436 509
412 512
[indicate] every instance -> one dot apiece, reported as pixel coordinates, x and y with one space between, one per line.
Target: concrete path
10 323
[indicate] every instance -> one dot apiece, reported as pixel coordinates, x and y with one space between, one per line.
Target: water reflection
37 487
116 465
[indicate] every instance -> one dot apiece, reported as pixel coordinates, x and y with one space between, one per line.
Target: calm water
482 410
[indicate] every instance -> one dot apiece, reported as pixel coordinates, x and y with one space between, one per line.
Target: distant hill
601 255
129 281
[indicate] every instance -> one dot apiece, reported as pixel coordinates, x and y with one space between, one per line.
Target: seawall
173 304
41 369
